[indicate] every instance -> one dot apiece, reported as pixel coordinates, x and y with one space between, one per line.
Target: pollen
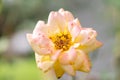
62 41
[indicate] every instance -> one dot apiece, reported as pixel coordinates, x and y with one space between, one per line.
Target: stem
50 75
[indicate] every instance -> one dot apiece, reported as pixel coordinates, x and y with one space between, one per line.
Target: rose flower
62 44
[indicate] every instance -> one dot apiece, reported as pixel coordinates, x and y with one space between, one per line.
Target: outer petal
40 44
85 35
90 46
73 23
87 40
40 27
58 69
69 69
67 15
74 28
43 62
68 57
55 55
82 62
48 30
57 20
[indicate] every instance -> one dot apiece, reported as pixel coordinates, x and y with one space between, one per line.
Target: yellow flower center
62 41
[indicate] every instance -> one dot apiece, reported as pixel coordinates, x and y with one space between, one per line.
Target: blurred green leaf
4 44
0 6
115 3
20 69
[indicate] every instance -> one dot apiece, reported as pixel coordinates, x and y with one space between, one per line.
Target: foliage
115 3
20 69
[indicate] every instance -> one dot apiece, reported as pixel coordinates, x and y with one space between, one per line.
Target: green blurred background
18 17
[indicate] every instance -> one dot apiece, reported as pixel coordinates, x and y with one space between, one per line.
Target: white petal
57 21
68 57
43 65
69 69
75 31
82 62
90 46
74 28
55 55
67 15
73 23
85 35
46 29
40 27
82 37
40 44
87 40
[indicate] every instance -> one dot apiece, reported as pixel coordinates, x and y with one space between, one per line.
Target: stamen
62 41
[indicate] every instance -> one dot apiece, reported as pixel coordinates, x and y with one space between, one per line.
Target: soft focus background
18 17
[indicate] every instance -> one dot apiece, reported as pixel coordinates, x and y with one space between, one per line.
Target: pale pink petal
82 37
55 55
40 27
82 62
68 57
77 22
46 29
69 69
72 24
74 28
44 65
56 20
91 46
85 35
45 51
87 40
40 44
67 15
75 31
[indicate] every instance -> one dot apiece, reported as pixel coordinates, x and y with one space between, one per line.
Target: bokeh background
18 17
